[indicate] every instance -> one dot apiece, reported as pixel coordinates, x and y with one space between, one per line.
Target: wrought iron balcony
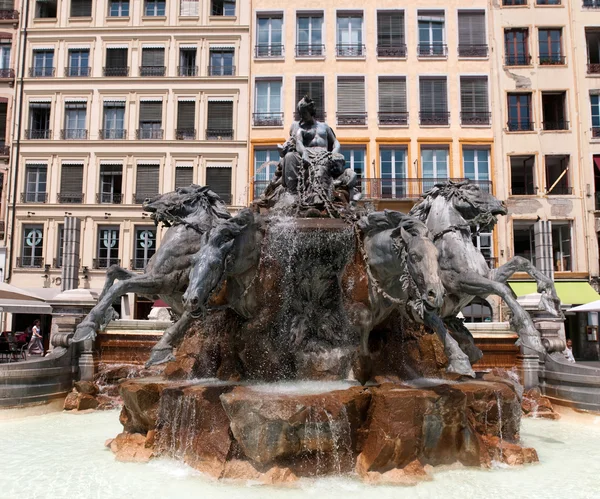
2 229
390 118
523 190
310 50
73 134
112 133
520 126
350 50
76 71
351 118
44 72
104 263
152 70
591 4
512 3
399 188
267 119
596 132
552 60
320 116
389 50
219 134
517 60
472 50
4 151
221 70
185 134
268 51
116 71
34 262
70 198
151 134
434 118
481 118
7 73
593 68
38 134
555 125
9 15
34 197
432 50
187 70
109 198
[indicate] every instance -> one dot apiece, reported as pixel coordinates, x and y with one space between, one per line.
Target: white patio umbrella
8 292
593 306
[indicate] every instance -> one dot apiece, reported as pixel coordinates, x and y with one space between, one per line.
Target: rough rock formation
535 405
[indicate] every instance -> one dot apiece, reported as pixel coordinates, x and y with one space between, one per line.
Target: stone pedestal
528 367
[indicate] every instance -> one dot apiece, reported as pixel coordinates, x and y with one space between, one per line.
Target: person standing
36 347
568 353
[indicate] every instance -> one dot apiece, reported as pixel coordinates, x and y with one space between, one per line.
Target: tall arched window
479 310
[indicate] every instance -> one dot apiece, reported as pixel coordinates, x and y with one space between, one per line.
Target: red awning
160 304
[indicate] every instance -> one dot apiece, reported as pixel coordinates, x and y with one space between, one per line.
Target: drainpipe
17 123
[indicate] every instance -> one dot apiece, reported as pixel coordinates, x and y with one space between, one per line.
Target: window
561 246
519 112
107 252
71 183
116 62
431 33
392 164
75 119
35 184
524 240
265 164
186 120
391 40
474 105
218 178
5 49
43 63
184 174
154 8
81 8
355 157
522 170
550 41
434 162
146 182
269 43
484 243
512 3
222 8
268 103
433 95
189 8
153 61
351 107
150 120
472 41
478 310
114 120
221 62
79 62
315 89
33 247
145 246
3 115
592 39
557 175
516 46
553 110
220 121
553 2
476 166
309 35
392 100
595 105
187 62
349 35
60 236
45 9
111 183
39 120
118 8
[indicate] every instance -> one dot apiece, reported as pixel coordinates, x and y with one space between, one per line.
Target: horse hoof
160 357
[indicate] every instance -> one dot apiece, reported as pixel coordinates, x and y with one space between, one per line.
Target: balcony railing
219 134
34 197
596 132
523 190
117 71
112 134
591 4
387 50
432 50
510 3
7 73
70 198
552 60
268 51
2 229
481 118
391 118
520 126
434 118
74 134
472 50
138 263
267 119
319 116
9 15
310 50
187 70
555 125
351 118
185 134
349 50
104 263
38 134
44 72
109 198
517 60
593 68
75 71
221 70
152 70
140 197
4 151
143 134
34 262
560 190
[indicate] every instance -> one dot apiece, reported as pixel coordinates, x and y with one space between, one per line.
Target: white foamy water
62 455
302 387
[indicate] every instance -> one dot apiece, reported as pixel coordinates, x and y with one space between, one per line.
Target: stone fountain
317 338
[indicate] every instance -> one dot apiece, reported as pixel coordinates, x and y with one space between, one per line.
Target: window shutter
184 176
188 8
116 58
71 179
151 112
146 182
392 95
3 113
219 181
314 89
473 95
81 8
153 57
111 170
351 95
390 28
220 115
471 28
186 115
433 95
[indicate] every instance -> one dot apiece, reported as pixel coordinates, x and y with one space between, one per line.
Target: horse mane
377 222
230 229
447 190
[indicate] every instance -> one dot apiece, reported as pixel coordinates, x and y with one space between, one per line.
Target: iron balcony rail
350 50
44 72
34 197
351 118
116 71
548 2
517 60
2 229
266 50
112 133
310 50
70 198
7 15
7 73
73 134
267 119
432 50
591 4
523 190
185 134
219 134
109 198
152 70
476 118
138 263
393 118
555 125
593 68
153 134
104 263
434 118
38 134
36 262
510 3
520 126
221 70
552 60
77 71
560 190
4 151
596 132
472 50
187 70
319 116
391 50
